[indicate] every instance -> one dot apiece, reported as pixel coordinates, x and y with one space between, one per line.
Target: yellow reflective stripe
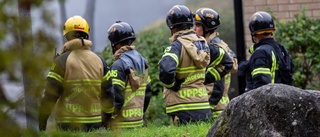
128 89
224 100
85 80
273 68
142 87
215 114
218 60
214 73
129 124
190 69
227 78
168 85
213 107
172 55
261 71
191 106
119 82
94 119
108 110
149 79
55 76
79 84
251 49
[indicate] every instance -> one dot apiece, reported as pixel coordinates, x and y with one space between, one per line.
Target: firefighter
74 82
182 70
270 61
128 91
222 59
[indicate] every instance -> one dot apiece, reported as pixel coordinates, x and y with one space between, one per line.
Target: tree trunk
89 16
25 40
62 15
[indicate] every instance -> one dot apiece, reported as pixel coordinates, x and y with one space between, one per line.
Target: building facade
281 9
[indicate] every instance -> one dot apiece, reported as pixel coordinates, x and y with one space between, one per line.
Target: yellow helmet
76 23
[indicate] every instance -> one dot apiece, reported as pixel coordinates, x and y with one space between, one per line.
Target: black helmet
261 22
208 18
179 14
119 32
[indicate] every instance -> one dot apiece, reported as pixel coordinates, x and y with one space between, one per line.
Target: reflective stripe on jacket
129 78
79 72
185 59
263 65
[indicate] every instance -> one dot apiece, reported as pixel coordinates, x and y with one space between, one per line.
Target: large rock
273 110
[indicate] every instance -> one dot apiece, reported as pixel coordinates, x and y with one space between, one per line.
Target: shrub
300 37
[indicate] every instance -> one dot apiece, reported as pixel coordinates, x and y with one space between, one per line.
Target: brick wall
282 9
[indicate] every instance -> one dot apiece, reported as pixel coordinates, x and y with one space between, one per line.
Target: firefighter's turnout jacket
223 62
263 65
182 72
128 82
74 80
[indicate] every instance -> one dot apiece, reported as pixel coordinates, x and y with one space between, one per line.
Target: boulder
273 110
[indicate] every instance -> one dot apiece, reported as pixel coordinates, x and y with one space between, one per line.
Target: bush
300 37
151 44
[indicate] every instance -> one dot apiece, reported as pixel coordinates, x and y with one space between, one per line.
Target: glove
177 84
208 79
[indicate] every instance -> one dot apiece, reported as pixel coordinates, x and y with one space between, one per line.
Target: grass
199 129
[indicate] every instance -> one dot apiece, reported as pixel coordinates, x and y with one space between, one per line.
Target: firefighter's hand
177 84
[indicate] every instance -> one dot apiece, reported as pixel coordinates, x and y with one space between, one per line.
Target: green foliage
107 55
300 37
151 44
191 130
156 112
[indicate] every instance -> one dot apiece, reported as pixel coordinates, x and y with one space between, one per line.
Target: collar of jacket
179 33
76 44
211 36
261 42
121 50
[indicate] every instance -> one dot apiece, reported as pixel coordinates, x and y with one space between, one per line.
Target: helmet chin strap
252 39
205 31
77 35
82 41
